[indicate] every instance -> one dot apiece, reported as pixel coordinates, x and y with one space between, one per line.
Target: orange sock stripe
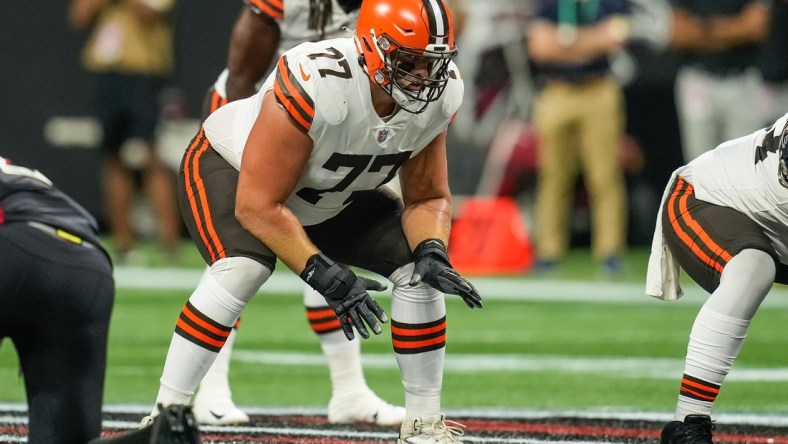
326 326
406 329
319 313
706 388
693 394
220 330
678 200
399 331
418 338
188 332
419 344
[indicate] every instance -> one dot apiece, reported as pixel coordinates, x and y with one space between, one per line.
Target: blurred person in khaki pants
129 53
579 119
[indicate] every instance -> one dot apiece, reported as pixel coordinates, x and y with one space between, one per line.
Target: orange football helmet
405 46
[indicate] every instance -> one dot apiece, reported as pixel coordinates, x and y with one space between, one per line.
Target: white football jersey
327 95
292 16
743 174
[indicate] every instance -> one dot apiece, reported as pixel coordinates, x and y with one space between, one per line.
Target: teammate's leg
351 399
720 327
205 323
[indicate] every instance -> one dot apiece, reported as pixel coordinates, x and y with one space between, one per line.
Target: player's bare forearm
278 228
427 219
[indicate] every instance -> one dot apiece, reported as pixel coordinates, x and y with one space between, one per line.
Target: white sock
719 330
205 324
342 356
216 383
418 333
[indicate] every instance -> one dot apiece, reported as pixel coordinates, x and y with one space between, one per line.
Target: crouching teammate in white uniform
724 220
295 173
263 31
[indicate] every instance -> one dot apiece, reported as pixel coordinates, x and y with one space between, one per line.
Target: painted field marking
493 288
650 368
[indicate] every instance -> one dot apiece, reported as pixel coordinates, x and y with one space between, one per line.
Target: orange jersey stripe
198 335
191 153
272 8
212 235
217 101
292 97
211 328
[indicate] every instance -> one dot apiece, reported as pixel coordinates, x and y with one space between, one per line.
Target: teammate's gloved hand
346 294
433 267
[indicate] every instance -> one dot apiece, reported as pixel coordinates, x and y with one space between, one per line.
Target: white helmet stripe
438 19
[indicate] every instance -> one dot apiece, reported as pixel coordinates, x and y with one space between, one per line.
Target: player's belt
61 234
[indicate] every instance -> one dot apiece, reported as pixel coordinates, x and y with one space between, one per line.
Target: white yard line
491 288
648 368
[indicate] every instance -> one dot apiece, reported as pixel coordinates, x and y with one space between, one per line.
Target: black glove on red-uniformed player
346 294
433 267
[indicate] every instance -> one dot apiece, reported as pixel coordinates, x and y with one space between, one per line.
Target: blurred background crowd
575 110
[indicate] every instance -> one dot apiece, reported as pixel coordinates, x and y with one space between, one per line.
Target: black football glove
433 267
346 294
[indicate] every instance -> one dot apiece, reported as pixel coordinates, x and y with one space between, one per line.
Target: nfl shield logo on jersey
383 135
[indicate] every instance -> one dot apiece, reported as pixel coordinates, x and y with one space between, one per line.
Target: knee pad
419 293
240 276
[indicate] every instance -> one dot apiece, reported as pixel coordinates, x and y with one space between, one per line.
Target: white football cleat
147 421
430 430
364 407
218 412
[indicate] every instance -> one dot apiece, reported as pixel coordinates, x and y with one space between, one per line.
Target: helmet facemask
413 77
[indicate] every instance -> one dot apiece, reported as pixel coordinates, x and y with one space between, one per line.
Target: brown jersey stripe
679 217
217 101
272 8
292 96
198 200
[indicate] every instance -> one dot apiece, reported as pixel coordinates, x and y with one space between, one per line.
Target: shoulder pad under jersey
454 92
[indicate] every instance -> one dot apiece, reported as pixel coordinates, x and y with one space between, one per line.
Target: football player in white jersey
267 28
724 220
295 172
262 32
